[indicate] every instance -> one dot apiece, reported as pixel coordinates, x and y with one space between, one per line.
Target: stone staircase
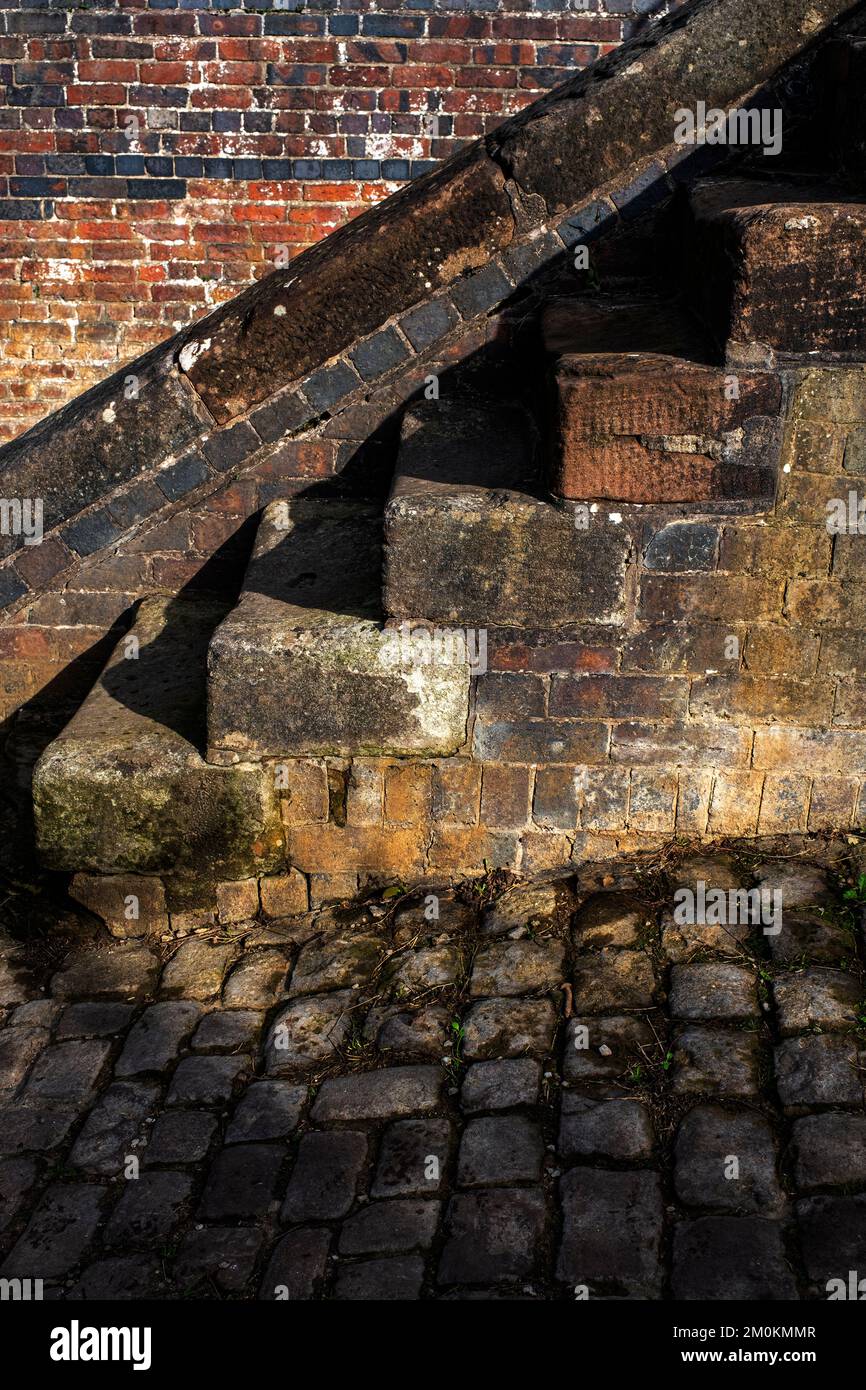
650 418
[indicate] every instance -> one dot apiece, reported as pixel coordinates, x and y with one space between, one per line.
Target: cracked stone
501 1085
726 1160
616 1129
197 969
611 1232
297 1266
713 990
829 1151
257 981
819 1069
729 1258
426 1032
402 1224
113 1125
610 981
325 1176
157 1037
499 1149
392 1093
267 1110
335 964
309 1033
517 967
412 1159
508 1028
827 1000
19 1048
708 1061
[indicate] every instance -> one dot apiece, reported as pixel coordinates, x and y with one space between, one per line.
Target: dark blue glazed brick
247 168
343 24
226 121
188 166
379 354
99 164
522 261
328 386
230 447
159 167
64 163
156 188
396 169
648 189
481 291
285 415
307 168
91 532
217 168
586 223
131 164
11 587
20 210
184 475
276 168
429 323
366 168
139 501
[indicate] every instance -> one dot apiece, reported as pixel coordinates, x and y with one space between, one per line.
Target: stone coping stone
304 663
125 788
470 540
779 269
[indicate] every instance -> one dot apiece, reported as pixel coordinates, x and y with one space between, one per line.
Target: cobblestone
686 1121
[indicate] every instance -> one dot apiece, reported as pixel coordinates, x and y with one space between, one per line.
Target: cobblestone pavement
547 1092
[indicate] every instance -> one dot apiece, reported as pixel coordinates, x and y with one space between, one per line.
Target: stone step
778 269
125 788
305 664
641 415
471 540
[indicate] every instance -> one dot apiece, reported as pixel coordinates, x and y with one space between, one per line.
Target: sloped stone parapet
489 549
304 663
124 789
574 140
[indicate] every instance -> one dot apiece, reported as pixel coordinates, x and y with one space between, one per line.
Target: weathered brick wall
157 155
